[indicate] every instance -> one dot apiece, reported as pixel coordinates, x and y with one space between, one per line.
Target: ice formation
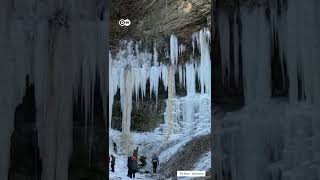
169 102
142 66
268 138
55 57
224 34
174 49
298 48
182 48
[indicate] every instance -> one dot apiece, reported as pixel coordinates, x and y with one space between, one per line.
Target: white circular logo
124 22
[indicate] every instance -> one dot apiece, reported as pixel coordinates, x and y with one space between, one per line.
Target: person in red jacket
134 166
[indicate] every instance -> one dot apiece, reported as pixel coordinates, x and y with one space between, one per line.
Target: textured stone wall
156 18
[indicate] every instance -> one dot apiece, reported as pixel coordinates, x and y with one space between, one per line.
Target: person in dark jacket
113 162
129 167
143 160
134 165
155 162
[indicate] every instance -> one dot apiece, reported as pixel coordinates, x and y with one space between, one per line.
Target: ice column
224 34
174 50
126 89
256 63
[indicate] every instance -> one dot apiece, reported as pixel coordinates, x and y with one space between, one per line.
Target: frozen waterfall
271 138
134 65
47 55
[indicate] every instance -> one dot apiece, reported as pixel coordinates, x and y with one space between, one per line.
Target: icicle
174 50
224 34
193 44
182 49
190 79
111 90
256 66
195 41
180 74
171 93
126 89
155 55
205 62
155 73
166 54
164 76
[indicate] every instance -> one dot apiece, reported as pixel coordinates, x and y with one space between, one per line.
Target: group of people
133 164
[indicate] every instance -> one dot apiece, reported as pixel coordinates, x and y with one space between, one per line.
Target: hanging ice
174 49
262 145
139 66
203 40
126 90
46 55
155 55
182 48
224 34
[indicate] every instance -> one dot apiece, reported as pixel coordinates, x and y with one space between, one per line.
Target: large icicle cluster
270 139
293 27
54 56
142 66
187 108
130 70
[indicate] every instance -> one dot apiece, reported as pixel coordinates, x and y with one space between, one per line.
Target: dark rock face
25 162
170 16
185 159
154 18
88 159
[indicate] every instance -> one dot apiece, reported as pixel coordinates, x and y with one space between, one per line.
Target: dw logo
124 22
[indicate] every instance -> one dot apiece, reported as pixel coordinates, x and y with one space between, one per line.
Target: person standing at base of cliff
129 167
113 162
155 162
134 165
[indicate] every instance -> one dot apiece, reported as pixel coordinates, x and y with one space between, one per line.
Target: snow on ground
121 171
204 163
149 143
157 141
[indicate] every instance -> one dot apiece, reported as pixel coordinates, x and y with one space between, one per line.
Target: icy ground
165 145
204 162
121 171
149 143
